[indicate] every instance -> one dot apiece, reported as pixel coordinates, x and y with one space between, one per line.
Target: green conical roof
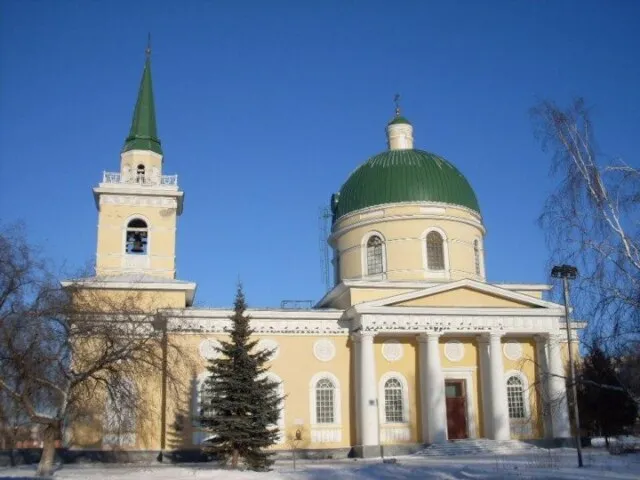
144 134
399 119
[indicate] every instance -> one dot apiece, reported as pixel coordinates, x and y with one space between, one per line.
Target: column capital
541 337
361 335
488 336
425 337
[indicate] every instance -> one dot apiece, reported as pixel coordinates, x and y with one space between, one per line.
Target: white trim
405 399
364 255
439 274
465 374
337 412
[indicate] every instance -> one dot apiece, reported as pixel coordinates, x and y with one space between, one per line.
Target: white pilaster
485 385
432 394
367 397
499 405
557 390
542 363
355 339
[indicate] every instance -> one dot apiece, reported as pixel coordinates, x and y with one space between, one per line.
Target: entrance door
456 409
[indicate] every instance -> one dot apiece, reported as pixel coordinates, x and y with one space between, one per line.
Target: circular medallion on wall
324 350
454 350
392 350
512 350
208 349
269 344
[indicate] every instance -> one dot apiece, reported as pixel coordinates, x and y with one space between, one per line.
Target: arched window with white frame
435 251
137 237
120 414
375 262
476 257
520 421
393 392
140 174
325 406
515 397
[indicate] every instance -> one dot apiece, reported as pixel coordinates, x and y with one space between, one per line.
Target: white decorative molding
138 201
326 435
454 350
324 350
208 349
455 324
512 350
260 327
373 214
392 350
433 210
269 344
395 434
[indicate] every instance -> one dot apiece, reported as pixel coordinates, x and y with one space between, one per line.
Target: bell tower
138 205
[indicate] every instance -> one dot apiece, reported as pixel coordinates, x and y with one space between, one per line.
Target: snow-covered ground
554 464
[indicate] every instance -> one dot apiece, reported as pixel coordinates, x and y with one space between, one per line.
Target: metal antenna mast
324 214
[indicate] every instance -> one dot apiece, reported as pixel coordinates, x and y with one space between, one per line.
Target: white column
367 401
557 390
434 408
485 385
543 374
499 405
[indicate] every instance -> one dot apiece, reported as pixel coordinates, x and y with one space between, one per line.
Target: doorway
456 409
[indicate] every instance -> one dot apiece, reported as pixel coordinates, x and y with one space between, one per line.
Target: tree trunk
51 434
234 458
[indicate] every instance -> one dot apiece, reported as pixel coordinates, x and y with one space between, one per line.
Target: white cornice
188 287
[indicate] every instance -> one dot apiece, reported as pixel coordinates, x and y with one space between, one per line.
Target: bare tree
63 348
591 221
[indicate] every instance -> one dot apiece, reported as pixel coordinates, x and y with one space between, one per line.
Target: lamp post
568 272
160 324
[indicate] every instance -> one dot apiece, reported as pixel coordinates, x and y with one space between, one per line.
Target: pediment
463 294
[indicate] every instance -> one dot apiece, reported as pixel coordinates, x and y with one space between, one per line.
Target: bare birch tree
591 220
62 347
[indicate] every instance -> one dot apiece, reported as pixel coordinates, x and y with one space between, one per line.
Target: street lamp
567 272
160 324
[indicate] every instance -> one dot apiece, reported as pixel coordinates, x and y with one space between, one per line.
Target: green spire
143 134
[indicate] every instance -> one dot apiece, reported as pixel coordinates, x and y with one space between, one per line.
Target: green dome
403 176
399 119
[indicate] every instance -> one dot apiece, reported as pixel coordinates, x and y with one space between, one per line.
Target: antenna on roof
324 214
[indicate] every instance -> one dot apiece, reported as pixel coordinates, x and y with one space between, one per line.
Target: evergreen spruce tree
243 405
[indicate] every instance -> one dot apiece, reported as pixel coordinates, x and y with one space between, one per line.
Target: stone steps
478 447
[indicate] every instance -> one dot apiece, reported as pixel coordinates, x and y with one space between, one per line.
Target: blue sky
264 108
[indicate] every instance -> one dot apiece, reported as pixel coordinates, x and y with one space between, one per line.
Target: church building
411 346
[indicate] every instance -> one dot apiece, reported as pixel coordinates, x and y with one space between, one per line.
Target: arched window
120 415
435 251
515 397
325 401
137 237
393 401
476 255
375 255
140 174
205 398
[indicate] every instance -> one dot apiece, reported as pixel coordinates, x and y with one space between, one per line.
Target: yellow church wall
404 247
138 300
295 364
461 297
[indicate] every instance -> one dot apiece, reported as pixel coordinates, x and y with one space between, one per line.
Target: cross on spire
396 100
148 49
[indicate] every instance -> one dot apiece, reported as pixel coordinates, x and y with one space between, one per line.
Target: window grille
374 255
515 397
325 401
393 403
435 251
